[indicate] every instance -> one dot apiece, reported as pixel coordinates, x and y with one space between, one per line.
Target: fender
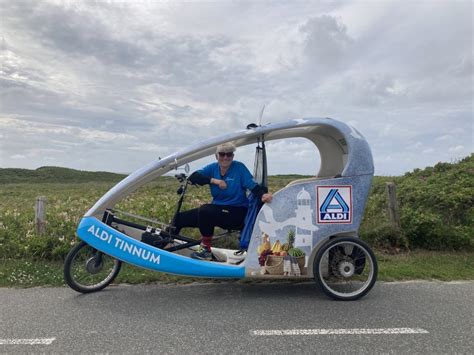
127 249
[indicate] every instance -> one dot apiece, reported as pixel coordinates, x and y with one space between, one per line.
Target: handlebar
181 177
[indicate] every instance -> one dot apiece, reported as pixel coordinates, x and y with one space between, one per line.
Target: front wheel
345 268
88 270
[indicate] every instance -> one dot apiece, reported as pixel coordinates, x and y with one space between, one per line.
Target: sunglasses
228 155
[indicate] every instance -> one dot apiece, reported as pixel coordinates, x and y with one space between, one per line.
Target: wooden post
393 210
40 214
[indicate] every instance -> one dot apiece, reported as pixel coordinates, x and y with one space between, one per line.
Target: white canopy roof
343 151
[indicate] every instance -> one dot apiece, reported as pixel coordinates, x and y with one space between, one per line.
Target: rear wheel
345 268
88 270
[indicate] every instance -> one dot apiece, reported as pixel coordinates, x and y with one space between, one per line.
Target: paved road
227 317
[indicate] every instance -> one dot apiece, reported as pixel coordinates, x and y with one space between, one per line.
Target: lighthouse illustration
304 222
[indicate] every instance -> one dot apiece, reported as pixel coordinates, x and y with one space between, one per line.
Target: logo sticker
334 204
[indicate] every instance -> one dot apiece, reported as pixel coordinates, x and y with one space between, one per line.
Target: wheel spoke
348 249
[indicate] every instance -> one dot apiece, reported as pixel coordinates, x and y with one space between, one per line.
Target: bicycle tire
339 274
86 264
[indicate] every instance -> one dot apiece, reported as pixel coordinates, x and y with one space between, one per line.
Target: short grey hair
225 148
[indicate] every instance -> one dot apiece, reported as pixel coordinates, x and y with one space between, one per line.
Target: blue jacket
238 179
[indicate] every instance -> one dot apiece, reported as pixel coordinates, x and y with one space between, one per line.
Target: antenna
261 115
253 125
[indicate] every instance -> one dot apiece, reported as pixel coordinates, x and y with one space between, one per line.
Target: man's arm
199 179
262 193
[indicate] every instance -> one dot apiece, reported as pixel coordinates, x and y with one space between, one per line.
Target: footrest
228 256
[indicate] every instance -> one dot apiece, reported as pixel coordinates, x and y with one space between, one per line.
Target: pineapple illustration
289 241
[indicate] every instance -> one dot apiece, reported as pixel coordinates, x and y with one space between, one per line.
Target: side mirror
186 166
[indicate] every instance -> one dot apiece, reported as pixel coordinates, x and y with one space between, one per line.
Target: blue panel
132 251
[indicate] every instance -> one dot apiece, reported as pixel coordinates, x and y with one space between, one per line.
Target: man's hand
267 198
221 183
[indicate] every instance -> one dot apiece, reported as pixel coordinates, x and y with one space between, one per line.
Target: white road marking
355 331
38 341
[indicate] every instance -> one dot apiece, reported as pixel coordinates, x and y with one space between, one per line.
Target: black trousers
209 216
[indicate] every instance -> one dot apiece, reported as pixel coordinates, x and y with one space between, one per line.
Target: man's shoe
202 253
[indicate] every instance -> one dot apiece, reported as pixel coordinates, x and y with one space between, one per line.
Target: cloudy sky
112 85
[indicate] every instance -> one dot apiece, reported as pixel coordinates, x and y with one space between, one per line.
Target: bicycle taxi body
309 230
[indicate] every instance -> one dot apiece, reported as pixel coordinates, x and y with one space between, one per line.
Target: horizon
172 172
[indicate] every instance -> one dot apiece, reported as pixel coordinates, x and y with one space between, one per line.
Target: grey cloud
326 43
69 30
169 59
463 67
42 105
369 89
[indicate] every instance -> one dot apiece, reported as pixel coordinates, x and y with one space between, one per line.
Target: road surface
236 317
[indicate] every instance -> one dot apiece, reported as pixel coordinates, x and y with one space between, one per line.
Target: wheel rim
91 269
346 269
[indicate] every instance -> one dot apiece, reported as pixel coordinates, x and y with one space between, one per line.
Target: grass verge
426 265
416 265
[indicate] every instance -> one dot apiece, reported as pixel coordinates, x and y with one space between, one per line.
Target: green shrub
436 208
384 236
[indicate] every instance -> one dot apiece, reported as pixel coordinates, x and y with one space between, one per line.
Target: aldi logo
334 204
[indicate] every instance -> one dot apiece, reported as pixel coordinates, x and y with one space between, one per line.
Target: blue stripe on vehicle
120 246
